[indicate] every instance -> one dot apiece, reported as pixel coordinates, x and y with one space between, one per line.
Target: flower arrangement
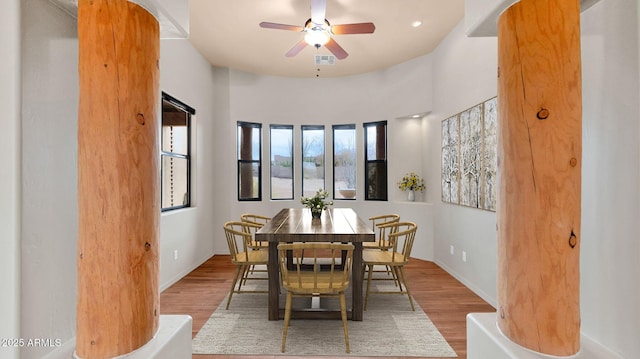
411 182
317 203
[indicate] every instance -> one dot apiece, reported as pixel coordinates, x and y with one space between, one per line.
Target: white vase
411 196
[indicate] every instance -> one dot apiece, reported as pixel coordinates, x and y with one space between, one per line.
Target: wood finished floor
445 300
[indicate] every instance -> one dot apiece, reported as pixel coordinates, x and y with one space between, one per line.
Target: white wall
9 178
185 75
465 71
49 174
611 171
481 16
385 95
611 176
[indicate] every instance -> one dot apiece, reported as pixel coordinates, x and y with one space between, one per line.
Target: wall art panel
490 148
469 157
450 165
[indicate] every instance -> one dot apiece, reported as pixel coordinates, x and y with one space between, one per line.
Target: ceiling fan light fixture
317 38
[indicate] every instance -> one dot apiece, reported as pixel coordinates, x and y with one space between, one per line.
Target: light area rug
389 328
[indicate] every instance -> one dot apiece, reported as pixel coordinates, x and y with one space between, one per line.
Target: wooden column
118 178
540 153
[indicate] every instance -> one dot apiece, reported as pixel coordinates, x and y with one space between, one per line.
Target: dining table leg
356 283
274 285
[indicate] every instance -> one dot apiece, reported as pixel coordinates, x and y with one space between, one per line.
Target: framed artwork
490 151
469 156
450 166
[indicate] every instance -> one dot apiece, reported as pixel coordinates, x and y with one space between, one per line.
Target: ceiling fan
318 31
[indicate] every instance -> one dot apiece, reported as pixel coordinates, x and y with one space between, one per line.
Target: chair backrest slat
254 218
378 223
239 235
404 234
315 280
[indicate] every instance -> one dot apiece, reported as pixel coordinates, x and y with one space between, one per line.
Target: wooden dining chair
300 282
401 237
382 242
259 220
239 235
255 218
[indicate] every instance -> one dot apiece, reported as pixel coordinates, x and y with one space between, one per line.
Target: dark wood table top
297 225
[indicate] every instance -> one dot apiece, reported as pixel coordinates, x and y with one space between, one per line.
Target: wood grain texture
118 178
445 300
540 154
334 225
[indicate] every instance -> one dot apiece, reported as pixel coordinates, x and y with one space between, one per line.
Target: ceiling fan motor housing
318 31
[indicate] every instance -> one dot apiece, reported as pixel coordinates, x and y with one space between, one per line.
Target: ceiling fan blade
297 48
336 49
360 28
273 25
318 11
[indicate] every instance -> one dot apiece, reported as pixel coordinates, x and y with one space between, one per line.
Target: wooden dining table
297 225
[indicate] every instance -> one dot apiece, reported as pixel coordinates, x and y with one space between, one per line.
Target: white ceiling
226 32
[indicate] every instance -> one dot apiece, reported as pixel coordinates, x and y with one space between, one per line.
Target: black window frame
333 146
282 127
190 111
324 155
380 165
244 161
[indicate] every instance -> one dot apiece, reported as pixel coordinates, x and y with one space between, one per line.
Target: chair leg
396 274
366 296
393 274
233 285
287 318
343 312
245 277
406 286
248 271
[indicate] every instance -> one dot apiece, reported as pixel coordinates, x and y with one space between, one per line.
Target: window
312 159
375 158
175 154
249 162
344 161
281 161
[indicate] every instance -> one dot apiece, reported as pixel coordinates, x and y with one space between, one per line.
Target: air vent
325 60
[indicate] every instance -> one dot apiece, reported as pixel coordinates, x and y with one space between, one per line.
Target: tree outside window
344 161
312 160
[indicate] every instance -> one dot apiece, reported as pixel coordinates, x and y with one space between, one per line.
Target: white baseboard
486 297
183 273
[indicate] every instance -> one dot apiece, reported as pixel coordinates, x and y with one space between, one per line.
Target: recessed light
414 116
416 23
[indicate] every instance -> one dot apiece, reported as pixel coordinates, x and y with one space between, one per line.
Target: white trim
487 298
